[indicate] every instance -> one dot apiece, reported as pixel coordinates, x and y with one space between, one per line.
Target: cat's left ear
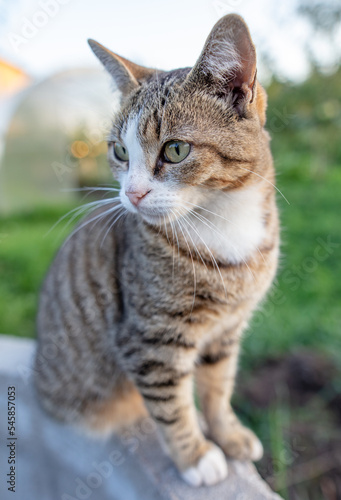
227 62
126 75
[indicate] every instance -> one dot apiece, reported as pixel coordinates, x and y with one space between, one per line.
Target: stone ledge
54 462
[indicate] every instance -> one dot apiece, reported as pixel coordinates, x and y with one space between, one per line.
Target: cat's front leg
215 376
167 389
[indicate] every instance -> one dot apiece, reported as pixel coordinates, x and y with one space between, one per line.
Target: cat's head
182 134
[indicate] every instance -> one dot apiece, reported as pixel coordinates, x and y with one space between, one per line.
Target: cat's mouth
156 209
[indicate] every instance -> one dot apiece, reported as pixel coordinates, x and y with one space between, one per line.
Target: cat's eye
176 151
121 152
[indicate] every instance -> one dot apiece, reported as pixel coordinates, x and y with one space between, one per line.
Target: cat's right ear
227 63
126 75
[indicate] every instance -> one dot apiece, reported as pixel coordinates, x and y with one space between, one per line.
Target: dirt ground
298 399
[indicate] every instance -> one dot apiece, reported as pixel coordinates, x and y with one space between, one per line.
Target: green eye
176 151
121 152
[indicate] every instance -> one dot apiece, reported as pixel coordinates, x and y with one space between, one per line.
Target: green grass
25 254
304 306
302 310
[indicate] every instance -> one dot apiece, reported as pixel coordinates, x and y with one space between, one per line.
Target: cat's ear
227 62
126 74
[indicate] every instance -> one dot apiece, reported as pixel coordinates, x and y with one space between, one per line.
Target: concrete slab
55 462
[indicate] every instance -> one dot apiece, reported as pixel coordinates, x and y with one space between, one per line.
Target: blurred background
55 109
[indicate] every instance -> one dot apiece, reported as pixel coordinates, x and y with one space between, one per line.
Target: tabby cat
133 314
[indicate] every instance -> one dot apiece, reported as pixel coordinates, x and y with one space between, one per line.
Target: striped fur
130 322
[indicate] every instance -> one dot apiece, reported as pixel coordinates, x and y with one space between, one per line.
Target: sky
47 36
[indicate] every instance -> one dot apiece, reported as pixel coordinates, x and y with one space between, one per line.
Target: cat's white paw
211 469
241 444
257 450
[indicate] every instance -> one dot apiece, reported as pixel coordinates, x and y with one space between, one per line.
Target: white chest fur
231 224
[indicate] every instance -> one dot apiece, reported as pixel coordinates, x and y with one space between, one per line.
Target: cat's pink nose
136 196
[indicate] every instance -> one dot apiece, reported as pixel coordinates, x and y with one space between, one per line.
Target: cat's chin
158 219
153 219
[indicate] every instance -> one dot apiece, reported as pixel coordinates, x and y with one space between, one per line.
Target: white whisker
227 220
176 236
214 262
266 180
165 226
183 216
79 210
210 211
118 216
91 189
173 249
210 225
96 218
193 265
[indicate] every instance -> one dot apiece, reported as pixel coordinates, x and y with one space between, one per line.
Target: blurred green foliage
26 251
303 307
304 122
302 312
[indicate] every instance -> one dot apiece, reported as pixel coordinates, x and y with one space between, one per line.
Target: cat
127 323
